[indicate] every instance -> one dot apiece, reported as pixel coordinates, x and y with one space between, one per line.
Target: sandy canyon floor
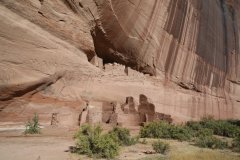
54 144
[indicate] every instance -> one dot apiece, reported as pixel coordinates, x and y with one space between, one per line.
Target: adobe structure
130 113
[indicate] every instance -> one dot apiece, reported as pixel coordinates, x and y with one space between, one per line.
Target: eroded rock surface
182 55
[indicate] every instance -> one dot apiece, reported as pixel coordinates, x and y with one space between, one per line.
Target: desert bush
194 125
160 147
32 126
226 128
210 142
234 122
165 130
92 142
106 147
123 137
155 130
221 127
203 132
180 133
236 144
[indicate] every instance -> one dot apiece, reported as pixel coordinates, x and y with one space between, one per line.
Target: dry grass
204 155
186 151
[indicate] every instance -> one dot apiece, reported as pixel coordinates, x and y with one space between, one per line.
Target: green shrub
160 147
210 142
236 144
92 142
90 131
106 147
83 145
221 127
87 138
204 132
234 122
165 130
180 133
194 125
226 128
205 129
122 136
155 130
32 127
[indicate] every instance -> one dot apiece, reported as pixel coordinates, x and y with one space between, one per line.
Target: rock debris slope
181 54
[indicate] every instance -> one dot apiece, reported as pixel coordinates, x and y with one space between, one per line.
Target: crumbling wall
146 109
94 115
123 115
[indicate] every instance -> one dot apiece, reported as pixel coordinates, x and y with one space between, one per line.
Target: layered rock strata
183 55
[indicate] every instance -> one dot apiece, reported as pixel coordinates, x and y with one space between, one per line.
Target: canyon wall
182 54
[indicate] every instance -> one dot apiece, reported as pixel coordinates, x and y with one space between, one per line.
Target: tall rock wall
190 49
195 41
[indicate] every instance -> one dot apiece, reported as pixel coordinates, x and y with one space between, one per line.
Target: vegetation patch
236 144
226 128
92 142
210 142
122 136
160 147
165 130
202 133
32 126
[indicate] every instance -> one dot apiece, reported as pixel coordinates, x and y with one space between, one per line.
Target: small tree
160 147
91 141
32 127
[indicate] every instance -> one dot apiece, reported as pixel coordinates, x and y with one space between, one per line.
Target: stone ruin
128 114
54 119
115 69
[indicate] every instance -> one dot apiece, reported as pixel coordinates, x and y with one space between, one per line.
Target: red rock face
195 41
190 47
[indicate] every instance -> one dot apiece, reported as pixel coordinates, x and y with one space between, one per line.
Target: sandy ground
54 143
35 148
54 148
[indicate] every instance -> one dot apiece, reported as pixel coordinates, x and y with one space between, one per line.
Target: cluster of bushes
91 141
219 127
165 130
234 122
210 142
202 132
205 130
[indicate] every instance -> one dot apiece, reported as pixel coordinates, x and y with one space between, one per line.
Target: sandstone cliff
182 54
